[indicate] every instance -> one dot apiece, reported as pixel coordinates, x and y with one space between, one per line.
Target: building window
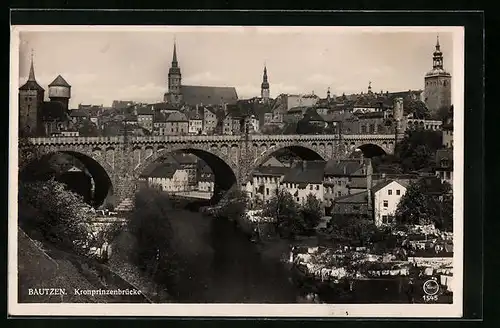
384 219
317 187
298 199
267 191
398 192
339 193
339 182
310 187
389 192
386 203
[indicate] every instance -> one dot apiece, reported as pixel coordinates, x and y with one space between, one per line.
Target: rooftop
357 198
195 95
59 82
306 172
345 167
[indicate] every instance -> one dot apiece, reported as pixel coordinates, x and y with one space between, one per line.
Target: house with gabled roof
304 178
386 197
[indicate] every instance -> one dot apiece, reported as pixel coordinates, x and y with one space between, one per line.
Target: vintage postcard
236 171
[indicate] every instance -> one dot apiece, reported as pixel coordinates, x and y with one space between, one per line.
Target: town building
265 180
437 90
169 177
356 205
195 122
209 120
177 124
206 178
145 117
344 177
305 178
179 94
447 129
79 116
444 165
386 197
417 124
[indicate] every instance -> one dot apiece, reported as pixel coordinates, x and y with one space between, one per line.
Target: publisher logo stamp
431 287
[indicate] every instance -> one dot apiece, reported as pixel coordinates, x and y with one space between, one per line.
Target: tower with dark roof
174 95
31 96
60 91
437 90
264 87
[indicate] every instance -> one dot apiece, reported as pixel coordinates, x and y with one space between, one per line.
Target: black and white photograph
236 171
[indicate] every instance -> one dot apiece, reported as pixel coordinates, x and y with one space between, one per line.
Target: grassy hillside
40 266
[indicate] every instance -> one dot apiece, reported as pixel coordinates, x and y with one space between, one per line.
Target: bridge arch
100 171
372 150
221 162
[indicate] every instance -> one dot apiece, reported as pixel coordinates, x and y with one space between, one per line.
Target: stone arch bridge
117 162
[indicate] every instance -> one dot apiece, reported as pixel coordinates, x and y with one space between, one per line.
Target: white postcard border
242 310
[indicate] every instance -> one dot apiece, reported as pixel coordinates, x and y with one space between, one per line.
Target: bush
63 219
233 205
150 225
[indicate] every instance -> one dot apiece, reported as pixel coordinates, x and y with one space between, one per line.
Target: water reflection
221 265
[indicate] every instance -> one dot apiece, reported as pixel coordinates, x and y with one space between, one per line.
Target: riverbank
41 266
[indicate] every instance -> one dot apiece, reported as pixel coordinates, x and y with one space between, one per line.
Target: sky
104 65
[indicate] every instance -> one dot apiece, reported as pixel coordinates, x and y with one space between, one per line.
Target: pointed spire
264 78
437 43
174 57
32 70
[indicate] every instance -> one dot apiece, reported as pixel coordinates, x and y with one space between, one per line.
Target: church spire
32 69
174 57
264 87
437 60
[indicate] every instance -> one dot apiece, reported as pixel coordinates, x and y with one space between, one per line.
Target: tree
351 230
311 212
88 129
233 204
427 201
149 224
416 150
60 216
282 207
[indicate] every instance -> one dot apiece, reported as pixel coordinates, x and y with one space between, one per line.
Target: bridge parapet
76 140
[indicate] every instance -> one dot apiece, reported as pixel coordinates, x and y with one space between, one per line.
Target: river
221 265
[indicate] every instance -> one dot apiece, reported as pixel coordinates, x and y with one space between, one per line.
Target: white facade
195 126
178 182
385 202
300 101
254 125
263 187
206 186
300 193
412 124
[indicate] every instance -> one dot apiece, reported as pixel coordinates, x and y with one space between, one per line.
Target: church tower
174 96
264 87
437 91
31 96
